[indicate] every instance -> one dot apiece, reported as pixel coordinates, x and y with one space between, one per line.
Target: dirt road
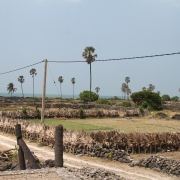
43 153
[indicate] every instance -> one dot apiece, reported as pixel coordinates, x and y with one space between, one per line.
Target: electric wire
120 59
137 57
21 68
53 79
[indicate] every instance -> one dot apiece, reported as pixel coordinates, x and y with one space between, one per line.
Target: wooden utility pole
44 91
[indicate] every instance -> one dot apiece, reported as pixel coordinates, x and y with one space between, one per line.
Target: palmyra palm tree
32 73
127 80
73 80
11 88
123 89
144 88
151 87
97 89
87 54
21 80
158 92
128 92
60 79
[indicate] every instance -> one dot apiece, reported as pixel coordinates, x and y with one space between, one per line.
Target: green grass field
140 125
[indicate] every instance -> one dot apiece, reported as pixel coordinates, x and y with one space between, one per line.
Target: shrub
103 101
85 95
38 113
175 98
81 113
24 110
146 99
126 104
165 97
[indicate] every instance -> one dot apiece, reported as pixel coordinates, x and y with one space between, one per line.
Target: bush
38 113
146 99
24 110
175 98
165 97
126 104
103 101
81 113
85 95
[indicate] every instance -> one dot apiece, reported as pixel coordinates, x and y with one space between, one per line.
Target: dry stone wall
101 144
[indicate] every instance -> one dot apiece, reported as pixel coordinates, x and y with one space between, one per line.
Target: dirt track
43 153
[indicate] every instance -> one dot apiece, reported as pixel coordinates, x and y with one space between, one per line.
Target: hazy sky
59 30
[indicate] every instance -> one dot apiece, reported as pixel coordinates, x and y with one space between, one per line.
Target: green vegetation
146 99
81 113
74 125
38 113
139 125
103 101
165 97
175 98
24 110
126 104
84 96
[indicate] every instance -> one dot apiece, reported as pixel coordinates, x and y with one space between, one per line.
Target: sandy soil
43 153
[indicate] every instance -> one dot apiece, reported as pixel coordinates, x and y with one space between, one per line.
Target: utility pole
44 91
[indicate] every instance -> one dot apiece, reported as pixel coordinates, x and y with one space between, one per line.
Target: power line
53 79
137 57
21 68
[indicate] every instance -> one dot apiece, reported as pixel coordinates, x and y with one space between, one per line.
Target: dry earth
43 153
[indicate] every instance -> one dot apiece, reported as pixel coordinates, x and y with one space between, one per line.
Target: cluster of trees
150 88
166 97
11 89
125 88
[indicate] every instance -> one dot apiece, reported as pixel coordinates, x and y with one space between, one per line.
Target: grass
134 125
74 125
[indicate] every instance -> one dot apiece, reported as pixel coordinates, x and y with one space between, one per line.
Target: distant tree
165 97
33 73
88 55
21 80
175 98
158 92
127 80
11 89
97 89
147 99
73 80
60 79
144 88
84 96
124 88
128 92
151 87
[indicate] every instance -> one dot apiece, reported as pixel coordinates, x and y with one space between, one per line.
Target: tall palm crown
144 88
127 80
60 79
33 73
151 87
11 88
97 89
88 55
21 80
73 80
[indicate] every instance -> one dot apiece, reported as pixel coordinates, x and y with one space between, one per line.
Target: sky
59 30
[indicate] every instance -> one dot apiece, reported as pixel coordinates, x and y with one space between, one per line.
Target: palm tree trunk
33 86
60 90
22 90
90 83
73 91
